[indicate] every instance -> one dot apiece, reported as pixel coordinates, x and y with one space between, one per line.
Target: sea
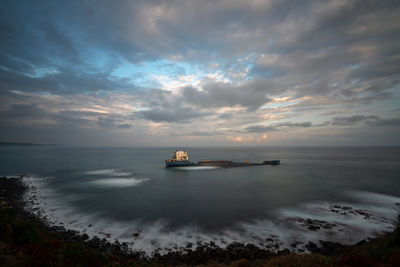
338 194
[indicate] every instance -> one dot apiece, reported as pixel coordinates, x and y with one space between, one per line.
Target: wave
119 182
196 168
111 172
371 197
293 227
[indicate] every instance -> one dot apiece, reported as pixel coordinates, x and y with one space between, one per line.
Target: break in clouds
200 72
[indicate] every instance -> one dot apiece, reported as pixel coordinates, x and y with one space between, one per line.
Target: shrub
73 251
5 232
28 234
309 260
240 263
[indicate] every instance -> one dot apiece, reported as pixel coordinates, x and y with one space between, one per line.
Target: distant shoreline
24 144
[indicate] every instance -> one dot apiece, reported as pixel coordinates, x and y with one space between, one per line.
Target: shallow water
122 192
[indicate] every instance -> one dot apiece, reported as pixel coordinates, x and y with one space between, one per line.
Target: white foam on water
196 168
374 198
346 226
111 172
286 229
119 182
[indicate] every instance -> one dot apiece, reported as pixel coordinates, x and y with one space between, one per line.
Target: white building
180 155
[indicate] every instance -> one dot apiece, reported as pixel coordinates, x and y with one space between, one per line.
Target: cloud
226 95
260 129
18 111
247 138
205 133
229 66
276 127
370 120
352 120
385 122
124 126
176 114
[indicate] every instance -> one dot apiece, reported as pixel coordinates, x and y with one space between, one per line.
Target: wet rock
363 213
312 247
315 225
284 251
361 242
294 244
313 228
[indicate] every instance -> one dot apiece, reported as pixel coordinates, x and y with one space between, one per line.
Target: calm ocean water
127 194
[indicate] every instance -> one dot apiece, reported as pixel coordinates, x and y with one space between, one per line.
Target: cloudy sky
181 73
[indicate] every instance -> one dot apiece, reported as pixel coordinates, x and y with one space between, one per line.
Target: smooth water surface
123 191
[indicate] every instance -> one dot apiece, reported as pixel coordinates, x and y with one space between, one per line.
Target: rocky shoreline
12 190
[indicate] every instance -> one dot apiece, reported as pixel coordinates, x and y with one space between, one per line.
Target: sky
200 73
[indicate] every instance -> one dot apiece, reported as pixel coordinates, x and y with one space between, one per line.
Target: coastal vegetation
26 240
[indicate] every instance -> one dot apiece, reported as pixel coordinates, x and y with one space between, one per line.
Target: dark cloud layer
275 127
177 114
257 63
226 95
16 111
352 120
368 120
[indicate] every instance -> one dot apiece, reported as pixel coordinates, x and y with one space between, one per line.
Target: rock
361 242
329 248
136 234
313 227
312 247
294 244
327 226
284 251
